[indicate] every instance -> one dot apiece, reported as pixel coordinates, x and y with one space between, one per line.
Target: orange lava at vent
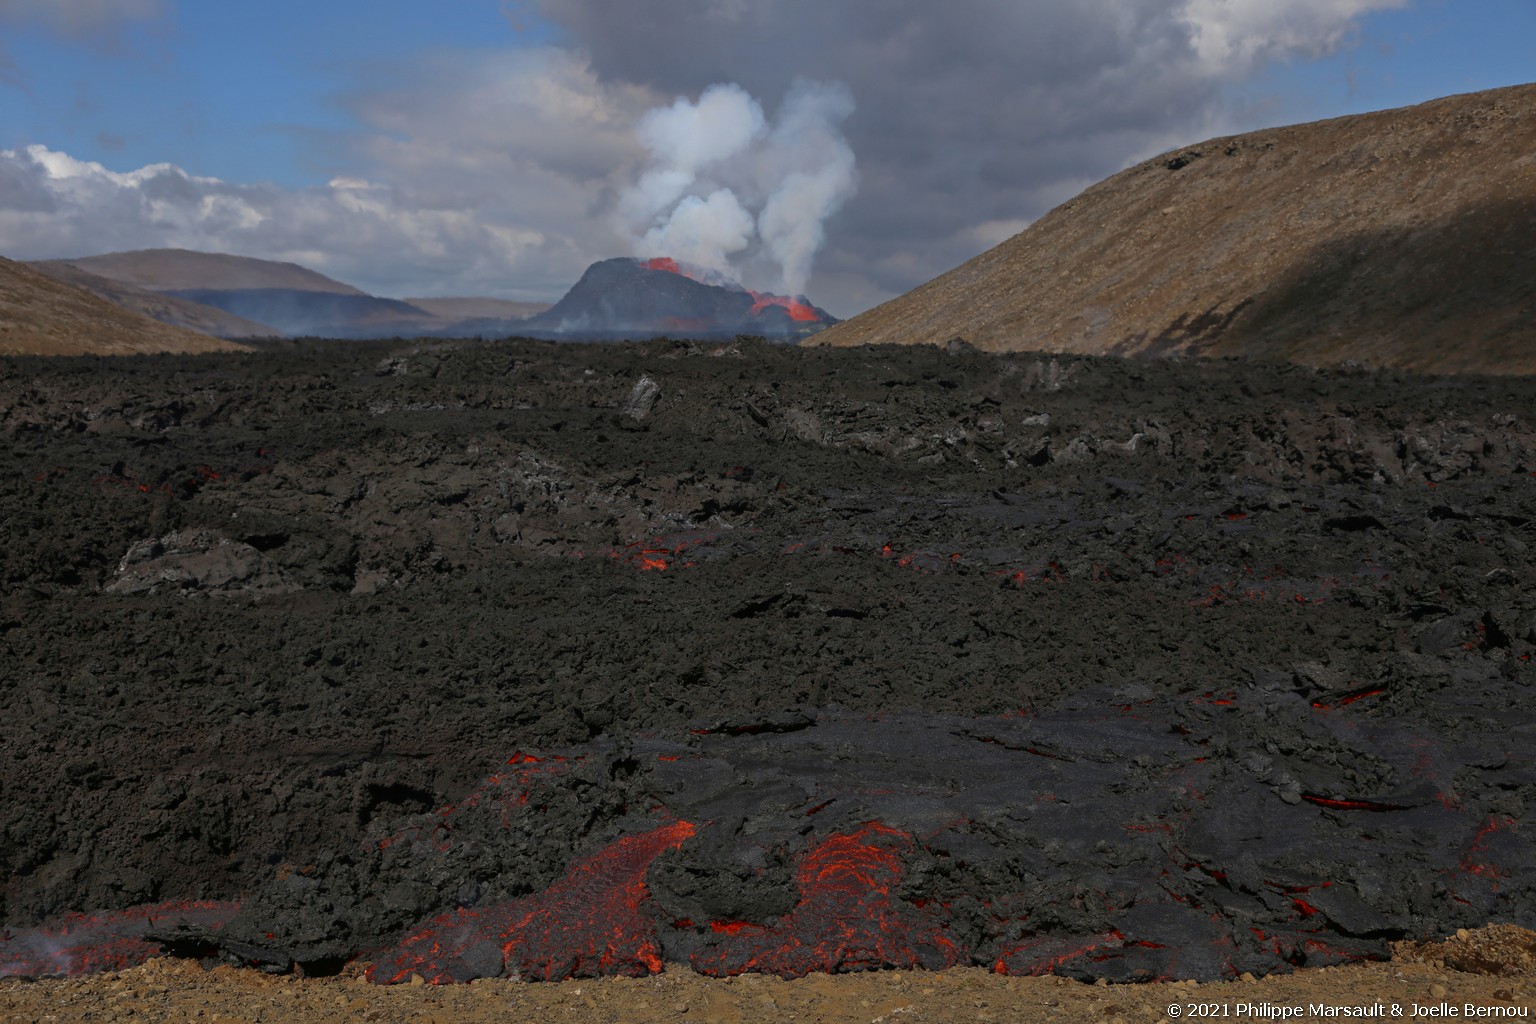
90 943
847 919
799 310
589 924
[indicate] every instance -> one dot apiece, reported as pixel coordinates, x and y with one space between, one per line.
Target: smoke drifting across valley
725 181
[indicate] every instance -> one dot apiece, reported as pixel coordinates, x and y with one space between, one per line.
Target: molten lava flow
90 943
588 924
665 263
847 918
662 553
1043 954
799 310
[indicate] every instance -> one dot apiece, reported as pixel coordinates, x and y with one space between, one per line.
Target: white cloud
496 180
972 114
1232 36
505 173
362 232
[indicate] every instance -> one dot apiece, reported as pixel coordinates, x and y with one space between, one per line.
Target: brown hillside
1401 238
165 308
183 269
42 316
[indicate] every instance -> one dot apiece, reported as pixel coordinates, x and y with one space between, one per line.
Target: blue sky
481 147
1420 52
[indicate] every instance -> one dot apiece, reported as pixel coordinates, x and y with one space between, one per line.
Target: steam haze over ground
854 152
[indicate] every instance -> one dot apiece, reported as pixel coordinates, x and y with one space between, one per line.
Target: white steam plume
811 166
705 231
722 177
684 139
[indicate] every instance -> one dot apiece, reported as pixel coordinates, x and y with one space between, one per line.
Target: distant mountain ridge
161 306
242 297
41 315
297 311
163 270
1401 238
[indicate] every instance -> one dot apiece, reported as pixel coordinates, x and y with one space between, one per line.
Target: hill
40 315
242 297
164 270
1400 238
158 305
298 312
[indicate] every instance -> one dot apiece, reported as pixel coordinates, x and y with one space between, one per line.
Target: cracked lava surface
438 658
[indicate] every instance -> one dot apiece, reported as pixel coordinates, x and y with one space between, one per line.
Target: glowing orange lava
590 923
799 310
849 917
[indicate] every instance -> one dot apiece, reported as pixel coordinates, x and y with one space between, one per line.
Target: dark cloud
970 113
505 172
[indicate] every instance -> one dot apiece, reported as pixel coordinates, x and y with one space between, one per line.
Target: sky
845 149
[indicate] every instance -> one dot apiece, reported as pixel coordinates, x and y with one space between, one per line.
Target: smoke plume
725 182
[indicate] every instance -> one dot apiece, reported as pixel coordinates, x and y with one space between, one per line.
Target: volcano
634 298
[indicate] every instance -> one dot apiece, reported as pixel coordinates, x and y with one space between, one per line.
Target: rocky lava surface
532 660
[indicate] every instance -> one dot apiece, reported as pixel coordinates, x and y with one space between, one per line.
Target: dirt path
170 992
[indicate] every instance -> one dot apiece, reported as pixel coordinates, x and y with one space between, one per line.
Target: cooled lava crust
544 661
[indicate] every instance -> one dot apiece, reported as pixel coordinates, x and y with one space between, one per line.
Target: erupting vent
629 298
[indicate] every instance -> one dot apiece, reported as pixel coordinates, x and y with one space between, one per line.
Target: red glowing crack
1044 954
114 941
1478 860
590 923
848 918
506 791
1350 805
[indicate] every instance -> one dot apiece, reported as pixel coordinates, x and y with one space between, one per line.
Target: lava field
537 660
